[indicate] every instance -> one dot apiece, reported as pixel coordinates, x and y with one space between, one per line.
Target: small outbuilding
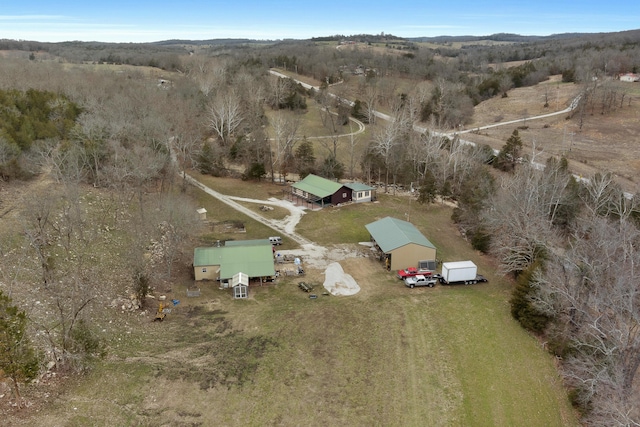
240 285
401 244
202 214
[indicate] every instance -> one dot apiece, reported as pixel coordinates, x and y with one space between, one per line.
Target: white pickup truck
420 280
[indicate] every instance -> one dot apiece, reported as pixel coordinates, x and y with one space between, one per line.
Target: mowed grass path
387 356
447 356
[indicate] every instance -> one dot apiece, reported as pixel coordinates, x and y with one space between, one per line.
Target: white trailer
460 272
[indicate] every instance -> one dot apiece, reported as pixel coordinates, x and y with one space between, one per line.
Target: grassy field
604 143
447 356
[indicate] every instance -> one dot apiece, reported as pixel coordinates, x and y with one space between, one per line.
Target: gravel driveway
337 282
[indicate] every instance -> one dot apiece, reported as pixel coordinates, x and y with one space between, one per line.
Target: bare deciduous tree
591 292
604 196
225 115
56 228
186 146
353 143
279 89
385 141
285 128
176 220
91 133
370 101
519 221
389 142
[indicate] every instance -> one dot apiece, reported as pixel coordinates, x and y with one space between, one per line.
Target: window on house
366 194
344 195
204 269
359 194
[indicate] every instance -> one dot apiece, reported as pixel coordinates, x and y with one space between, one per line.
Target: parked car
275 240
420 280
411 272
407 272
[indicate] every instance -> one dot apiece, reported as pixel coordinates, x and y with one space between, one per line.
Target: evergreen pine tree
205 160
510 154
305 159
18 359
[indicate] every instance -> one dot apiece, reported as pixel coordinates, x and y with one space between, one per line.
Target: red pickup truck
412 272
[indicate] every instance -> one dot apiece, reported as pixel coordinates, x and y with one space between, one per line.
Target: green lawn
387 356
442 356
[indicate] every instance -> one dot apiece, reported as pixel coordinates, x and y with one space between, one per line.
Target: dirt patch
366 272
328 261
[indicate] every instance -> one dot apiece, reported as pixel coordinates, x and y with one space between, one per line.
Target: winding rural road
287 227
421 129
386 117
307 86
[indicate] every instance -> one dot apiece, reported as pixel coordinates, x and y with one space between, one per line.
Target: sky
147 21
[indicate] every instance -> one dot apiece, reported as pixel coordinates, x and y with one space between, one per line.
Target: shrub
141 286
580 400
255 172
87 345
522 309
481 240
19 361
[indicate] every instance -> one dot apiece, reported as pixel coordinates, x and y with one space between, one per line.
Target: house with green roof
251 257
361 192
401 244
316 190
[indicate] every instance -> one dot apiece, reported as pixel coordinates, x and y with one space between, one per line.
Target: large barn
401 244
316 190
251 257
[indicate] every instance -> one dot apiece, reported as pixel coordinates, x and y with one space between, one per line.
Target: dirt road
284 228
314 256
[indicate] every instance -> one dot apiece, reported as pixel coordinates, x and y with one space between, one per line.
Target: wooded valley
96 212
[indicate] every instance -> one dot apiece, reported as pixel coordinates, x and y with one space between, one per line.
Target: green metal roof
391 233
358 186
207 256
317 186
247 242
253 260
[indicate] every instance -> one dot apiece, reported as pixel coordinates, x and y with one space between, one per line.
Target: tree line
106 218
571 246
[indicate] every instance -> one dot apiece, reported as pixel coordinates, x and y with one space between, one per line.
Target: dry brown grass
605 142
460 45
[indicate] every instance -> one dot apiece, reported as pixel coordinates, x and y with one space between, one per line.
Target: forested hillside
100 132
